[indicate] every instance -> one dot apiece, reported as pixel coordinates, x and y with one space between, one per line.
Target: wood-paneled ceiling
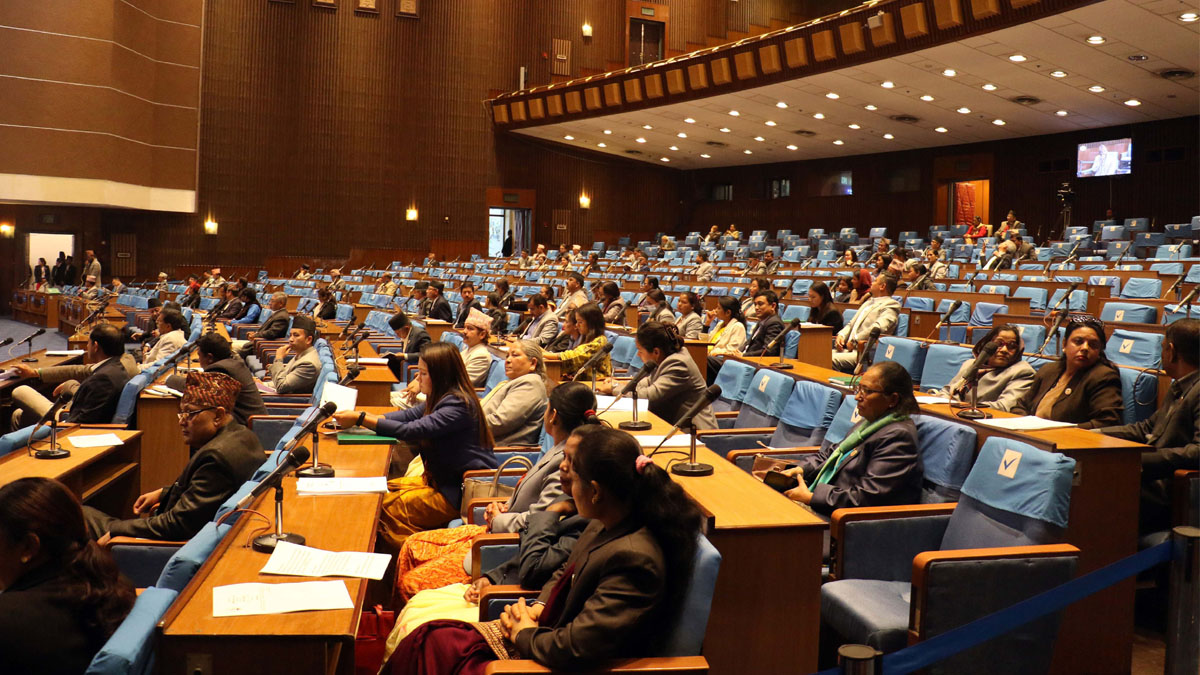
938 98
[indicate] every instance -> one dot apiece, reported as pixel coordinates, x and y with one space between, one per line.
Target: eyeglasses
1010 346
860 390
187 416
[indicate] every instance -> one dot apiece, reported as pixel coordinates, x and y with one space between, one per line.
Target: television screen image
1105 158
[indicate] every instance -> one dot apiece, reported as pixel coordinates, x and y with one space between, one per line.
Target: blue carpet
17 330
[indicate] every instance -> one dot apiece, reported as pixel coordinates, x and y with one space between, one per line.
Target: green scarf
845 449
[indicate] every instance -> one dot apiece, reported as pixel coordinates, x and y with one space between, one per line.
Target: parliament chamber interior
406 336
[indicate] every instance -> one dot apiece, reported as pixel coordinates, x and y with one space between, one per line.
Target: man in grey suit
274 328
298 376
543 326
880 311
91 267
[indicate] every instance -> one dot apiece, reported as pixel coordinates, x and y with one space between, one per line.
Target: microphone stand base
691 469
640 425
52 453
781 366
29 359
266 543
974 414
316 471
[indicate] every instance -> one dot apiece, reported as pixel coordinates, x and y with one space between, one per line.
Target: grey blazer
674 387
690 326
1000 390
538 489
615 313
543 330
514 411
275 327
882 312
298 376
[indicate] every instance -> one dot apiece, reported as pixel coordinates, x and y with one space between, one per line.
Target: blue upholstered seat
1134 348
941 365
809 411
1127 312
1142 288
909 353
130 649
764 400
734 380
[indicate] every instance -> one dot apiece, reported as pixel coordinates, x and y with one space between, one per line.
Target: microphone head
298 456
40 331
876 332
712 393
795 323
650 367
608 347
990 348
329 408
954 306
7 341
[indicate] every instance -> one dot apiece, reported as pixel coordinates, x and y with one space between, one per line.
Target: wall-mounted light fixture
410 214
7 230
587 29
585 202
210 227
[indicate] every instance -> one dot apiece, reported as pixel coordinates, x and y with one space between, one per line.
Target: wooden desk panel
166 452
106 478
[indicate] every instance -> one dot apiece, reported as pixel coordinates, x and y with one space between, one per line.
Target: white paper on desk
64 352
9 374
624 405
302 596
932 399
343 397
356 485
679 440
370 361
163 390
1026 423
294 560
94 440
264 387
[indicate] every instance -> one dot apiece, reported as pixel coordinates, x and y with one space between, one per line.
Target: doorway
646 40
508 222
46 245
968 199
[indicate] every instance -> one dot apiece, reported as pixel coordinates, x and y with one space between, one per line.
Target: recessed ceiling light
569 137
602 145
724 130
818 116
781 104
760 139
734 113
1133 103
674 147
832 95
1061 113
887 84
1058 73
1096 40
839 142
665 159
647 127
1138 58
941 130
965 110
1018 58
689 120
998 123
705 155
989 87
855 126
792 147
949 72
926 97
769 123
870 107
1188 17
681 135
639 139
1095 89
748 152
607 131
888 136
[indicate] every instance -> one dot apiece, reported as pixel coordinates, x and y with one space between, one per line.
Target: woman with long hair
251 310
877 464
624 577
434 559
860 286
61 595
1004 380
449 435
1082 387
676 384
730 334
823 311
688 322
590 322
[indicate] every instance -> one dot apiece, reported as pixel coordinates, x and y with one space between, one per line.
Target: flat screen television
1104 158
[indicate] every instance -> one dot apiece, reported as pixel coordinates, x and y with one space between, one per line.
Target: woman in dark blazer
823 311
61 596
878 463
626 572
327 307
1082 387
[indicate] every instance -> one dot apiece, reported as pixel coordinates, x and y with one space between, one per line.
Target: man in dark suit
216 356
413 339
1172 430
275 326
95 399
467 290
766 304
224 454
437 306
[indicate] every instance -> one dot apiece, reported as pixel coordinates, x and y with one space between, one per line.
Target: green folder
364 439
844 380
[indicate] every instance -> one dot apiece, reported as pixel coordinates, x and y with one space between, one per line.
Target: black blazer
40 632
764 332
95 401
249 401
832 318
883 470
275 327
417 340
463 310
327 310
213 473
440 310
1091 400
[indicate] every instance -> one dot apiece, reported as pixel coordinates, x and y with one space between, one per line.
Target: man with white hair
162 283
474 351
214 280
274 328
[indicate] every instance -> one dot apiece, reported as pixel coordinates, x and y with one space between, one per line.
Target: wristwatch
361 416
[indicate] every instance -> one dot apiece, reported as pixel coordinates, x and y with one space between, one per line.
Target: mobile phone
780 481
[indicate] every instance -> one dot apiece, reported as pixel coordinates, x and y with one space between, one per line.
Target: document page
344 397
94 440
304 596
1026 423
342 485
679 440
303 561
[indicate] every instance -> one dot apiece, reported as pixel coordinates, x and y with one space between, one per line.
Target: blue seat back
843 421
947 453
127 404
1037 297
1033 335
960 315
809 411
765 400
734 379
20 438
1139 394
690 620
1134 348
1015 495
1127 312
183 565
909 353
1142 288
624 348
919 304
130 649
1076 303
1167 268
495 375
941 365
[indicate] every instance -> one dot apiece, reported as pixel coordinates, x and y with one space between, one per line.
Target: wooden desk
167 453
35 307
436 327
374 383
816 345
43 361
106 478
288 644
767 604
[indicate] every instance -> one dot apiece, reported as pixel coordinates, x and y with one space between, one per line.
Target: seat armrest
745 431
1181 495
675 665
734 454
489 540
880 542
732 414
138 541
512 593
481 502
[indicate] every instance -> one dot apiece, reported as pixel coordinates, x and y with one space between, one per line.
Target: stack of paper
679 440
932 399
341 485
163 390
94 440
370 361
304 596
294 560
1026 423
64 352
